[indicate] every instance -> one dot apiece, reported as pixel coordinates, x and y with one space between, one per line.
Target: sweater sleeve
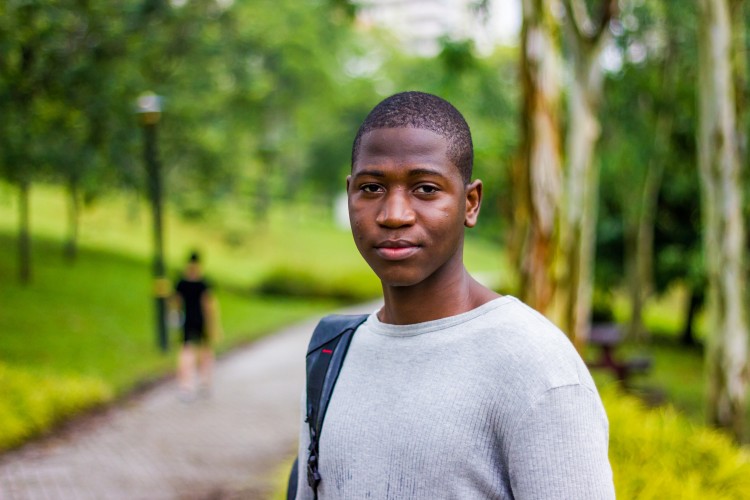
560 447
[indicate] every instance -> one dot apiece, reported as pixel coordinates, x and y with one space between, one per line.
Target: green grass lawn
676 376
94 318
677 372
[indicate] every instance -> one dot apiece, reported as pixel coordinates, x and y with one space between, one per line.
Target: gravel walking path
155 447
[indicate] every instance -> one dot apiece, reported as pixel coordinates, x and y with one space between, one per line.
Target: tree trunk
724 237
632 278
24 231
539 177
262 205
581 191
574 268
74 208
644 256
640 255
739 73
687 338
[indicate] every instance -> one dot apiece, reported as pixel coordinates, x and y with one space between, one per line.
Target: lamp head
148 107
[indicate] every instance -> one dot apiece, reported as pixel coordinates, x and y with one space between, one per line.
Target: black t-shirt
191 293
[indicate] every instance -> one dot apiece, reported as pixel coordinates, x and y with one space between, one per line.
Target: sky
503 26
419 23
506 19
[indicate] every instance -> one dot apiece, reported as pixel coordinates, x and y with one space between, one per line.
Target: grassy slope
95 318
238 251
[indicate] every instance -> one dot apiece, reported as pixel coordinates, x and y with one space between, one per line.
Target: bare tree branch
580 20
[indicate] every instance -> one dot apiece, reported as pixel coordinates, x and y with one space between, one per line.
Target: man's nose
396 210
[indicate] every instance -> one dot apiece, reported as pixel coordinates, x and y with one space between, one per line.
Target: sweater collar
390 330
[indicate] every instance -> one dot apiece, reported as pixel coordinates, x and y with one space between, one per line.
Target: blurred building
419 24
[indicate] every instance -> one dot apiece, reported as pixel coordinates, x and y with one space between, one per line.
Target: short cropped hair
423 111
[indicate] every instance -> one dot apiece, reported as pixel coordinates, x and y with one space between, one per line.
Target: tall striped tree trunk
24 230
574 267
539 176
719 163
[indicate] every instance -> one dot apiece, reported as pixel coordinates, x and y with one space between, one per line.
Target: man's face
408 206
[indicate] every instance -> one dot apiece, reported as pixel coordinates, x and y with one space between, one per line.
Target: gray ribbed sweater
492 403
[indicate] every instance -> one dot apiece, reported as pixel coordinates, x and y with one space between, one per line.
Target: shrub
32 402
297 282
658 454
281 479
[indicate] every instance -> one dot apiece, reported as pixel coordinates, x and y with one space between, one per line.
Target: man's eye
427 189
370 188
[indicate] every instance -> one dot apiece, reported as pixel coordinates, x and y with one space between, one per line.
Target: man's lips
396 249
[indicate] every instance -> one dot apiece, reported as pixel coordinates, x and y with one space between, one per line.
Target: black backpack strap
325 355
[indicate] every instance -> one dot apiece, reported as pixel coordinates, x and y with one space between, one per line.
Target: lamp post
148 108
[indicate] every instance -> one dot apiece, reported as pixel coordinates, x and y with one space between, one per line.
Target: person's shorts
194 336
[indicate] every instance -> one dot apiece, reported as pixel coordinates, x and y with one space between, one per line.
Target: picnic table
607 337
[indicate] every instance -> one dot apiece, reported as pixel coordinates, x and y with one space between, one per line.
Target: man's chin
399 274
398 281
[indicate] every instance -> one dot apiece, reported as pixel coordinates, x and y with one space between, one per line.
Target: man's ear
348 181
473 202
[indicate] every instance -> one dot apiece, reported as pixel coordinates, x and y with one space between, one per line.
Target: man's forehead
406 138
410 151
409 145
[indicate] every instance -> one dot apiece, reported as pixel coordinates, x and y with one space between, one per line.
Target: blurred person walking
197 305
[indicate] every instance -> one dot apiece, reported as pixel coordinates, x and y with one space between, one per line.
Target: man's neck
431 300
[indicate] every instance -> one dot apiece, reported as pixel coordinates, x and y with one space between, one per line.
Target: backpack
325 355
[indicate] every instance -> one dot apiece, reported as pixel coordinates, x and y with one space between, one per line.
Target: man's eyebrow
425 171
370 173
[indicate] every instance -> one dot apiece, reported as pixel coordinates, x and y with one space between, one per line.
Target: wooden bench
606 338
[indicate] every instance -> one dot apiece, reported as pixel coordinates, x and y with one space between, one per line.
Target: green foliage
648 124
281 479
93 319
239 79
601 307
34 400
658 454
677 373
304 282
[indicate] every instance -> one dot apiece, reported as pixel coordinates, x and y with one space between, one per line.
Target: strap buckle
313 476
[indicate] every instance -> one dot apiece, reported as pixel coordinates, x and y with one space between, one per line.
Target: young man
449 390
